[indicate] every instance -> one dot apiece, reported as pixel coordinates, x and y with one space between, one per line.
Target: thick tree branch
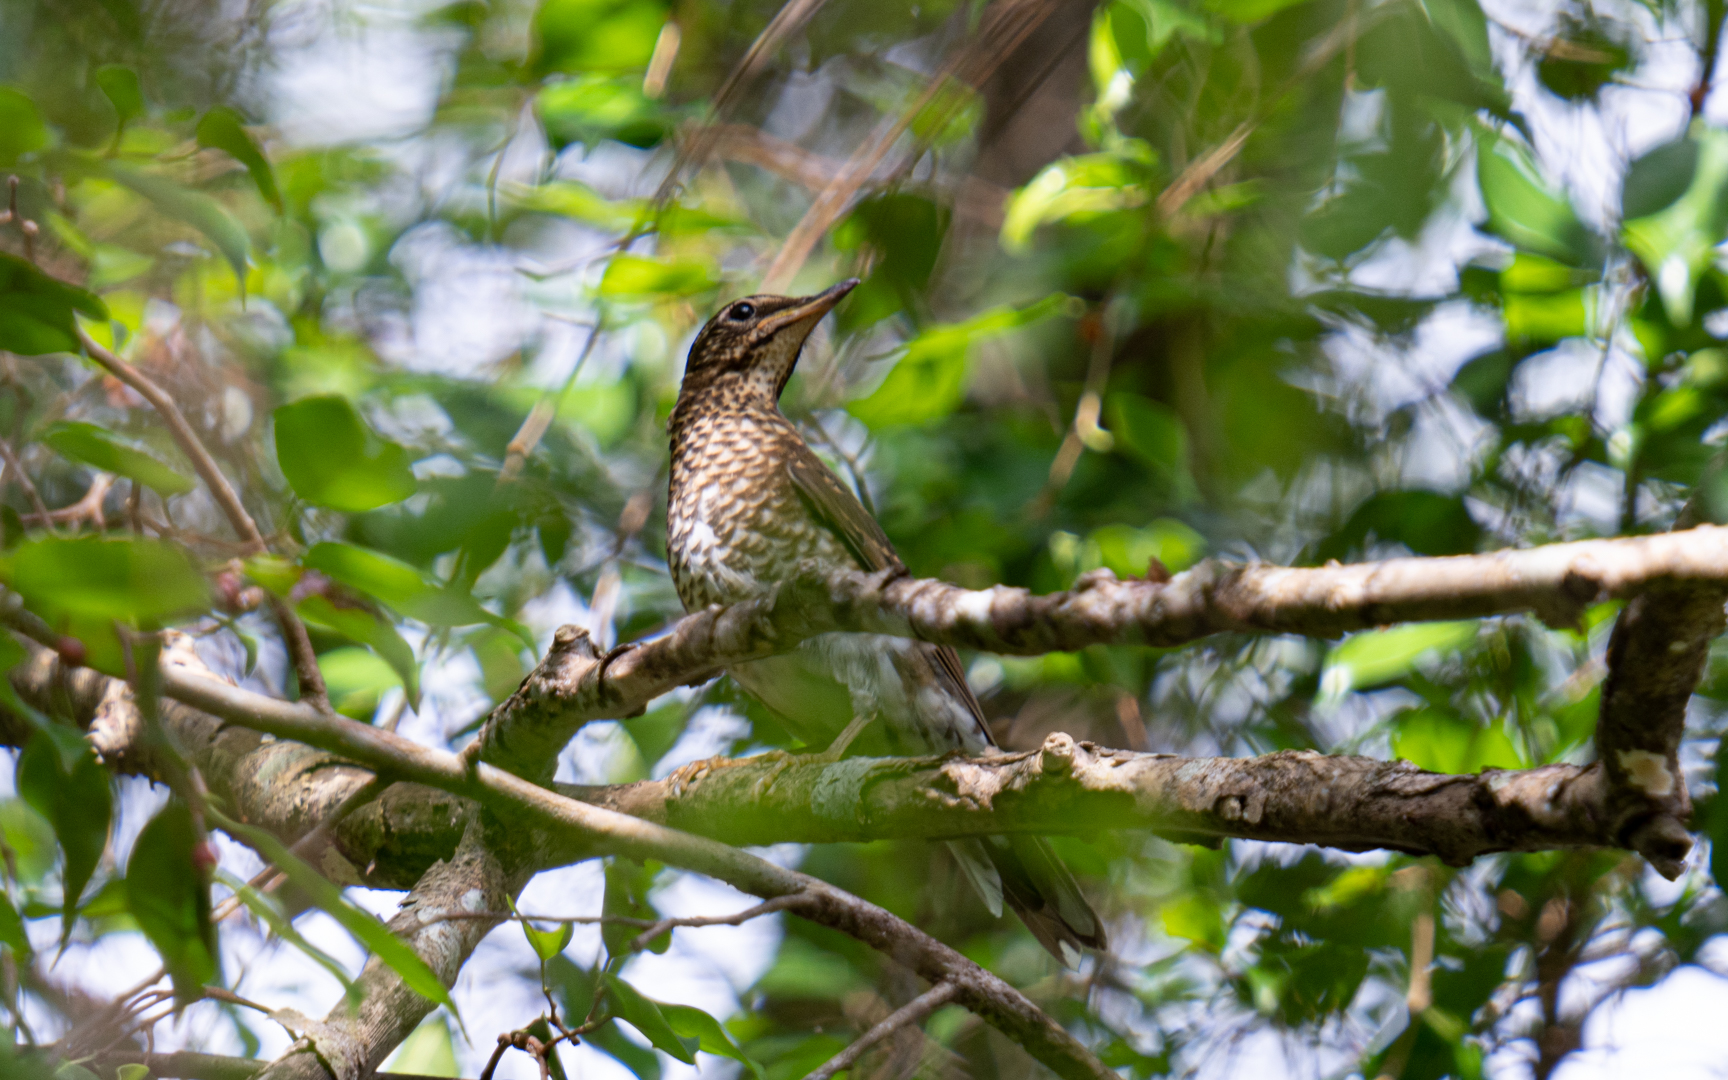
1300 797
350 1043
1557 582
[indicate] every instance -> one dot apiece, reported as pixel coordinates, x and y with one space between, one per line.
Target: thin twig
779 903
545 410
294 634
14 468
268 878
913 1012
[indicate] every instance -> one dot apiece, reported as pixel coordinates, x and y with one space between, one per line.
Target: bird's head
752 345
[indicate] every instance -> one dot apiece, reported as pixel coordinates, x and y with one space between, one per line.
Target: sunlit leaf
168 892
107 451
1381 656
689 1022
360 625
1446 743
929 378
634 277
1677 242
546 943
356 680
429 1051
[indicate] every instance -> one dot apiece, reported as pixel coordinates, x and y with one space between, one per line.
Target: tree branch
1293 796
294 634
913 1012
573 684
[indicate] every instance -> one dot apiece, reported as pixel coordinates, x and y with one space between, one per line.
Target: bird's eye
741 312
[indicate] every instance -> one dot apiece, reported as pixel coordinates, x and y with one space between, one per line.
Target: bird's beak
807 310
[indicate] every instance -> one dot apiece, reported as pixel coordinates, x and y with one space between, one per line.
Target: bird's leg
836 750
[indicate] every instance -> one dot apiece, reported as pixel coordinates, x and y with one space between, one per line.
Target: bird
751 505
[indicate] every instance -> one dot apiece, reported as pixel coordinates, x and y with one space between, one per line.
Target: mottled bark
284 787
350 1044
1351 803
1556 582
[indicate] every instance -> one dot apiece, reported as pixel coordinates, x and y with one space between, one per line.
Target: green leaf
1677 242
592 107
12 929
102 449
689 1022
1441 742
332 458
1381 656
356 679
148 581
223 129
404 588
21 128
929 379
590 35
1522 209
269 910
428 1051
634 277
36 311
1075 187
391 950
645 1016
1195 917
168 895
133 1071
545 943
120 84
376 632
194 208
78 802
1656 180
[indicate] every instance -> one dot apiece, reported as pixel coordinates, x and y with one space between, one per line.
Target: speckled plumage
750 504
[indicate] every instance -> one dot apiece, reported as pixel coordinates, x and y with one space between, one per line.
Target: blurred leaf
1523 210
1655 181
403 587
223 129
1441 742
356 679
12 933
636 277
168 893
1677 243
427 1051
31 839
104 450
591 107
120 85
22 131
1374 657
1583 56
148 581
362 626
627 1003
1426 522
590 35
1074 187
269 910
36 311
391 950
1128 551
332 458
194 208
929 378
1195 917
78 802
626 896
572 199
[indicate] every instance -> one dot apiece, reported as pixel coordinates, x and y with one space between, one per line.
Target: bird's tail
1025 872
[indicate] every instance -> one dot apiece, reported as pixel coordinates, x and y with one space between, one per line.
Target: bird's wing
840 512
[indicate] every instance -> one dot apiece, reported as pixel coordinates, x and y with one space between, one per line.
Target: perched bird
751 504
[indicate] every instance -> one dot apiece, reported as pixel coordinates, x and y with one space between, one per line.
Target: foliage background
1455 287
